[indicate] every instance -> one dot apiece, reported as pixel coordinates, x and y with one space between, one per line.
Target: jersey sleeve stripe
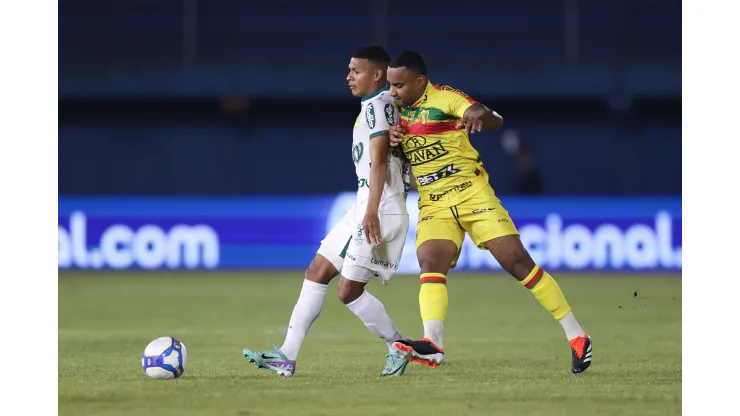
378 133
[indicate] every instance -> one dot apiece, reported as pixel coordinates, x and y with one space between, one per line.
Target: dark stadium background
236 97
228 106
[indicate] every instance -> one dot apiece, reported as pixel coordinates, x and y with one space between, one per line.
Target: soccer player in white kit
368 241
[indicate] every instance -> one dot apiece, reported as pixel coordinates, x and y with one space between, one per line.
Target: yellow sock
547 291
433 296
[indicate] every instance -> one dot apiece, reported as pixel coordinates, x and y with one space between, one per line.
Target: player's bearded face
406 86
362 76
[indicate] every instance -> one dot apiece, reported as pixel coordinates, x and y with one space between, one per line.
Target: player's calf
511 255
435 257
367 307
350 290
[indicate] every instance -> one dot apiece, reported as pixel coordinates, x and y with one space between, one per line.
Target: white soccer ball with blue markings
164 358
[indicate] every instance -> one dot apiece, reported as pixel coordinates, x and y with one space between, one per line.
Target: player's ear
378 75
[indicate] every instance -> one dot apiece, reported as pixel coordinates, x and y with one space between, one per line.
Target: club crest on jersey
370 115
424 116
360 236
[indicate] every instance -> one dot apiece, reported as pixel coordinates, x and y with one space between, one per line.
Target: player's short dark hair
374 54
411 60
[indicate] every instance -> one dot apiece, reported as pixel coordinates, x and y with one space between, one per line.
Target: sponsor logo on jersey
476 211
426 218
415 142
445 172
456 91
363 183
459 188
390 114
384 263
370 116
426 153
357 152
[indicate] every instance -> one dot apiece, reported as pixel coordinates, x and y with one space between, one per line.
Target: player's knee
320 271
349 290
436 257
431 264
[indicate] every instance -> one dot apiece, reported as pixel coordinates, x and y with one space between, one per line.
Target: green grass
505 354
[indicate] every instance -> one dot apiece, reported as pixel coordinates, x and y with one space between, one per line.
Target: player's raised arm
478 117
474 116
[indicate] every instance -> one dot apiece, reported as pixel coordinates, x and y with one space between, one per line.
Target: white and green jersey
378 114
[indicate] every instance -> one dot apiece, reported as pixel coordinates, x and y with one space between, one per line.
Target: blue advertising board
283 233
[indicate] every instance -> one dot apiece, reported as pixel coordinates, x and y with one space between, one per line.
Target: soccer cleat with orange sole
423 351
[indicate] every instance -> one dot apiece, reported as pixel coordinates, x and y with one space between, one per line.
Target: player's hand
396 135
470 124
371 227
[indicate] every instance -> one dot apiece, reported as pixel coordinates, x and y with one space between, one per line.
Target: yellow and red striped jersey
447 168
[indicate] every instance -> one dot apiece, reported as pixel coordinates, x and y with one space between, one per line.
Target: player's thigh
334 246
484 217
491 228
365 261
439 239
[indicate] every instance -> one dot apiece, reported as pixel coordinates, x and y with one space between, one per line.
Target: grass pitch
505 355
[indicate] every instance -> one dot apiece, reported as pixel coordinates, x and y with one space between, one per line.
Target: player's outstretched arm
478 117
379 146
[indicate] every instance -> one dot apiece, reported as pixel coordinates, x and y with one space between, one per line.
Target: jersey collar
424 96
373 94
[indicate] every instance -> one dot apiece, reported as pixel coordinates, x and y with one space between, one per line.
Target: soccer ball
164 358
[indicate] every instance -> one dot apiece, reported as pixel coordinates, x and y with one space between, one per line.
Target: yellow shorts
482 216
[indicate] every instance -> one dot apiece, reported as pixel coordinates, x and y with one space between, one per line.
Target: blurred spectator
528 179
235 104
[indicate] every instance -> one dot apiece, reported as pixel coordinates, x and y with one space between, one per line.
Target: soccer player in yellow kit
455 197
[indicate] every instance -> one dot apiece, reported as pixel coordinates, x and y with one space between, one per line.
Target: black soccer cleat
423 351
581 349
